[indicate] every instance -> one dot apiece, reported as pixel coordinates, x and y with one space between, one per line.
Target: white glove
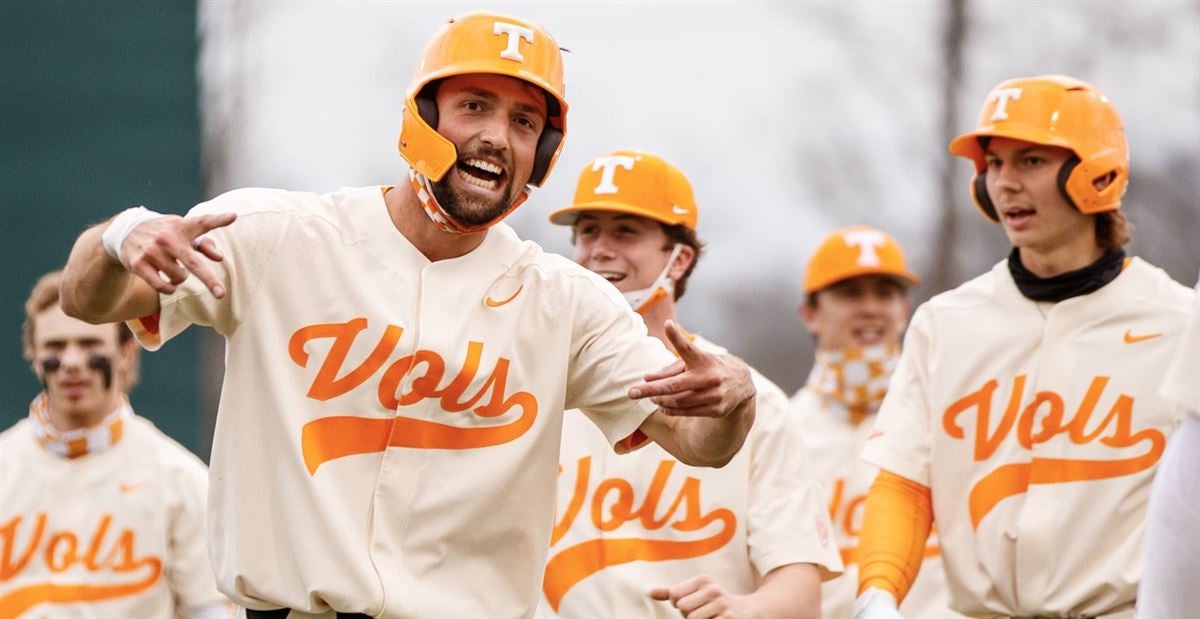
876 604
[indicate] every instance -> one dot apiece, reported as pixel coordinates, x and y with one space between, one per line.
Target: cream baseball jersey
117 533
1182 382
388 430
1038 428
834 446
626 523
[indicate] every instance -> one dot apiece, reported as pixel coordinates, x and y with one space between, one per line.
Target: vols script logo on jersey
75 568
1115 430
613 504
329 438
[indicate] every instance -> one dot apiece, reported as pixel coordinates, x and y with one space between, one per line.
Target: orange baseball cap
633 182
855 251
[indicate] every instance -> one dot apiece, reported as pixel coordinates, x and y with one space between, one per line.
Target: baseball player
101 514
856 306
1024 410
1172 554
398 360
644 535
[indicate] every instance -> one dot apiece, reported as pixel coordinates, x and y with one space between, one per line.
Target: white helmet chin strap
644 299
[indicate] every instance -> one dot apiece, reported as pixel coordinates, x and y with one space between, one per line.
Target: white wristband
875 603
121 226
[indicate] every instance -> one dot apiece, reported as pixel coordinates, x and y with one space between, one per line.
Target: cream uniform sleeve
612 352
787 520
902 438
248 245
1182 381
189 572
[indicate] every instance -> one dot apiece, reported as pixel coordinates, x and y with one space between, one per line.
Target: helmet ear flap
548 143
427 104
547 147
1064 173
982 200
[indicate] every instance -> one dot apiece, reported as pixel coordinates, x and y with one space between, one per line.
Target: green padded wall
97 113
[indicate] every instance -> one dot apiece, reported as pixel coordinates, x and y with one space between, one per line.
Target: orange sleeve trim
891 546
149 323
631 442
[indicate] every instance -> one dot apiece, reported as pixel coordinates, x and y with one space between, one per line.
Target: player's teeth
484 165
478 182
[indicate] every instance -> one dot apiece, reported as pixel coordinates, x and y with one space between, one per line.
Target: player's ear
808 314
128 349
683 261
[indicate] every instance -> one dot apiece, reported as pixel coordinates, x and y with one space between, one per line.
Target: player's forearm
896 526
95 287
789 592
714 441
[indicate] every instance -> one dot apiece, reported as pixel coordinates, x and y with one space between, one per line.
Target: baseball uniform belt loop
282 613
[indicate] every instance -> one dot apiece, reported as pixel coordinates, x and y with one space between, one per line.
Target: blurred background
790 119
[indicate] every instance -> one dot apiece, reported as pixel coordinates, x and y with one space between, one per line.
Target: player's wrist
757 605
120 227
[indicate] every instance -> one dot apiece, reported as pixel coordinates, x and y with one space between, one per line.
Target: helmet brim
569 215
905 279
967 145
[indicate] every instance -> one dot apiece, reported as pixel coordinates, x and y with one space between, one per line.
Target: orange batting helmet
1054 110
491 43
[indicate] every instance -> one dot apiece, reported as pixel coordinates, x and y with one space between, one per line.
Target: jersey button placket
395 491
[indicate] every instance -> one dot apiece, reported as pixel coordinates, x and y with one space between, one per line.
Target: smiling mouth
480 173
611 276
868 335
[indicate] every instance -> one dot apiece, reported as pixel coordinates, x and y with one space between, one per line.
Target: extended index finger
683 345
195 226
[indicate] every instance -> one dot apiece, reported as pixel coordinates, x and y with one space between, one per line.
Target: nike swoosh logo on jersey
130 488
490 302
678 210
1130 338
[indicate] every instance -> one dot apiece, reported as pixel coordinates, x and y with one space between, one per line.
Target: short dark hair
679 233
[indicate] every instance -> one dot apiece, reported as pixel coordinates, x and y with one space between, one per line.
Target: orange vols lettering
329 438
327 385
60 553
575 563
1048 408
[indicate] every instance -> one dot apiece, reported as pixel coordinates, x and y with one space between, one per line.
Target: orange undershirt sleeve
891 545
